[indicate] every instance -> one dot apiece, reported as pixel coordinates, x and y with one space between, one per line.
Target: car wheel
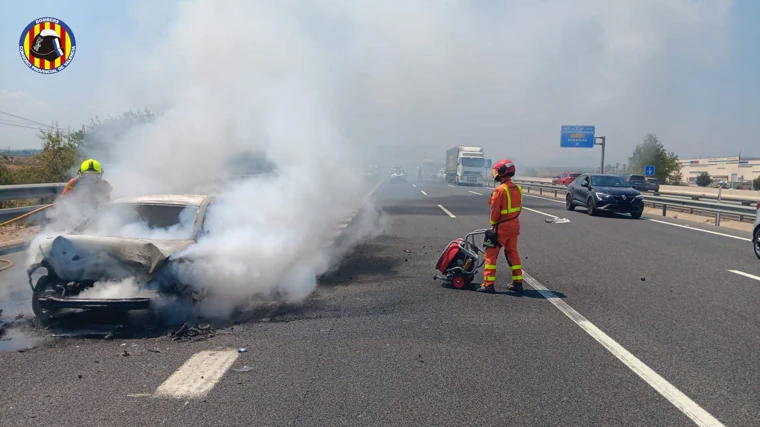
44 316
591 207
636 214
569 203
756 241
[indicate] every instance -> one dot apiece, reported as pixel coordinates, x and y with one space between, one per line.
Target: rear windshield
574 175
637 177
652 180
144 221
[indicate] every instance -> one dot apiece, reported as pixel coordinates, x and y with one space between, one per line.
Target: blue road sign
649 170
577 137
488 163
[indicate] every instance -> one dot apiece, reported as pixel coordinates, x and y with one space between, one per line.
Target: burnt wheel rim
590 206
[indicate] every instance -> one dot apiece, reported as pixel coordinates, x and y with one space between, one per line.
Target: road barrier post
664 210
717 219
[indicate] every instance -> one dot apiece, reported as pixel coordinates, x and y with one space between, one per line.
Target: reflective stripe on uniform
517 278
494 222
509 208
516 267
490 279
490 267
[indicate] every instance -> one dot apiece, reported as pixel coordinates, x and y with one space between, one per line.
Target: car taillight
758 206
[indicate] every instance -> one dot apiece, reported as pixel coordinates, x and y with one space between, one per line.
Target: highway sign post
581 137
649 170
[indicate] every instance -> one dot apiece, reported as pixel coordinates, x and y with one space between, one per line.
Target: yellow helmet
90 165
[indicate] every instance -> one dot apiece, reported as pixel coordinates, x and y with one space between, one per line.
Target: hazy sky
429 74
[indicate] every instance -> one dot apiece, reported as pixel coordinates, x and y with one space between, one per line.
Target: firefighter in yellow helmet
89 183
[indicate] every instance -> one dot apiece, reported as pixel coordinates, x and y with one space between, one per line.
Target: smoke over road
321 87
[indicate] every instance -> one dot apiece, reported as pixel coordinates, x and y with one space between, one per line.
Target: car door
582 183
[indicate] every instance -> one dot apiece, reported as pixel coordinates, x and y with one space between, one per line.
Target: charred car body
136 239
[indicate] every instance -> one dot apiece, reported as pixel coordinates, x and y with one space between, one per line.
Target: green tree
652 152
756 183
54 163
704 179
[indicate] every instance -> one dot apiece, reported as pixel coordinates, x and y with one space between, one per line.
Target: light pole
604 140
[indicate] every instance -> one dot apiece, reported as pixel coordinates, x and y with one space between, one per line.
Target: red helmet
502 168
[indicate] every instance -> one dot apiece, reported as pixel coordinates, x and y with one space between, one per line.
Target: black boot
516 287
486 289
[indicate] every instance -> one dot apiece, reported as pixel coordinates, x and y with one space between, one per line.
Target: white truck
464 165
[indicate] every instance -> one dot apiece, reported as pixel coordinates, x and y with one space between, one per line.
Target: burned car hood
79 257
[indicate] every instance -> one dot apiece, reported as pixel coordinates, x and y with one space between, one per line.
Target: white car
128 238
441 174
756 232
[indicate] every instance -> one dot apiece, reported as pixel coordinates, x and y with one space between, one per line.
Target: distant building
721 169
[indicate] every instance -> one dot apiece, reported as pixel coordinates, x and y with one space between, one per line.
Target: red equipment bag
448 255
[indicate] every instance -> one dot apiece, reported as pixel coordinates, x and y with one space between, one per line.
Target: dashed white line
424 193
690 408
539 212
475 192
343 225
452 186
447 211
698 229
196 377
741 273
543 198
413 185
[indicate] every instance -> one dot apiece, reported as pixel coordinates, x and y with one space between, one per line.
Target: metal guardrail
31 191
36 192
39 192
686 195
718 210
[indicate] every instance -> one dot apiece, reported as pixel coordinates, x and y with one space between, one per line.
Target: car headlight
601 196
639 197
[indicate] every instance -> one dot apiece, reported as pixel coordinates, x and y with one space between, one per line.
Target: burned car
119 258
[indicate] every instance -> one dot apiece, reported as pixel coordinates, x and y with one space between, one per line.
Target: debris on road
139 395
19 316
186 332
242 349
154 350
557 221
126 353
243 369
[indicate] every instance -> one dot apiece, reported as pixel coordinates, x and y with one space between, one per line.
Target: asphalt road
381 343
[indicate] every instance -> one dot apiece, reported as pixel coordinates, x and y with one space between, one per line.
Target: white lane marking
475 192
447 211
741 273
344 225
667 390
452 186
660 222
698 229
544 198
196 377
414 186
539 212
423 192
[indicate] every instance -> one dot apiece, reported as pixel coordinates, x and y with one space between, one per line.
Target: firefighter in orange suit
506 205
